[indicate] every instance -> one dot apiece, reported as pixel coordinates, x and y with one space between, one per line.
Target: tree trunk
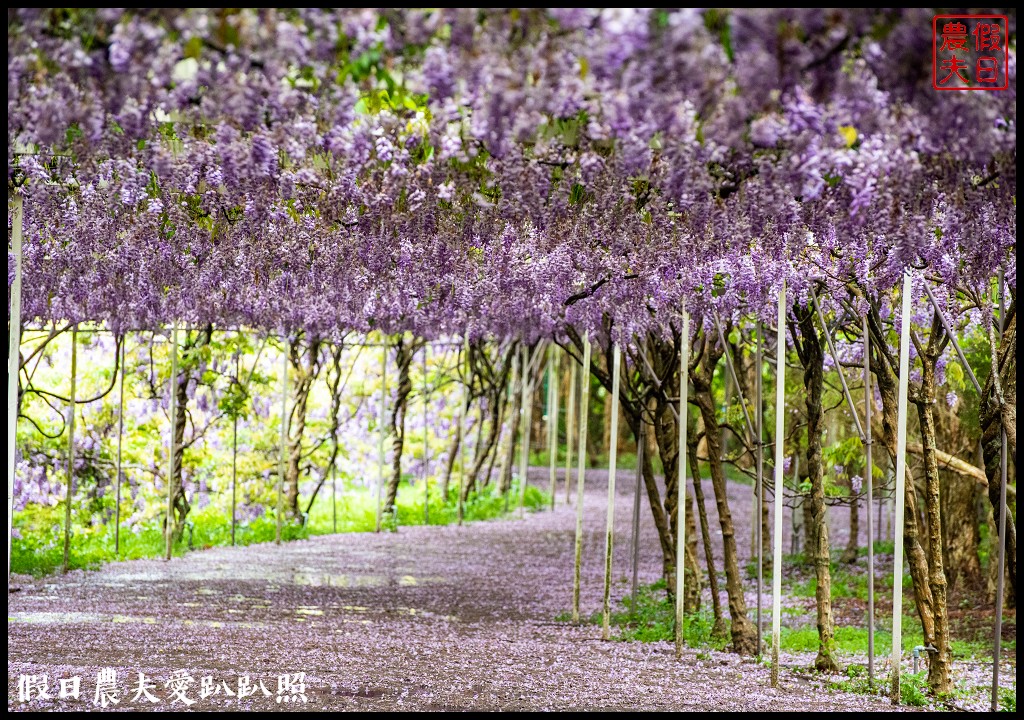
939 658
453 451
666 432
334 385
886 381
718 630
962 537
404 353
811 357
305 361
994 421
188 363
508 448
744 634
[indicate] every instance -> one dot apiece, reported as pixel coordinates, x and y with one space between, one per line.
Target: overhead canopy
505 172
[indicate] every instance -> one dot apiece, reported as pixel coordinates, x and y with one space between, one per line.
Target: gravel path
442 618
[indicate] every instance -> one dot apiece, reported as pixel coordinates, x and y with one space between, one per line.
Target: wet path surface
425 618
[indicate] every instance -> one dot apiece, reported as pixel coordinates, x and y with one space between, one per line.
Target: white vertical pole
581 467
71 449
13 370
380 426
524 435
284 437
463 416
612 459
553 420
901 472
172 446
120 437
570 425
780 435
684 392
234 456
426 444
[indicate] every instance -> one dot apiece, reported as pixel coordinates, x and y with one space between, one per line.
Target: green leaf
955 375
193 48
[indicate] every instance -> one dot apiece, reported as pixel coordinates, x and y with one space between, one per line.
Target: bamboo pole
901 471
553 363
780 434
13 371
120 437
71 449
284 439
570 423
172 444
684 391
380 430
610 521
580 469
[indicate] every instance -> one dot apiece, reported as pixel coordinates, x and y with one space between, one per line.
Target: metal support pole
636 513
234 457
13 372
869 472
553 421
901 472
284 438
382 419
71 449
609 523
780 435
172 442
570 422
581 468
120 437
684 391
1001 567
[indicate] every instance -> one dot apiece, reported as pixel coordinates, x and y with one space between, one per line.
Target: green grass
654 620
40 550
845 584
913 686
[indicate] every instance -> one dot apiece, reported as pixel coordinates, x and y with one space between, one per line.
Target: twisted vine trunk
994 419
188 363
938 642
692 440
305 362
666 432
334 386
744 634
508 448
404 352
886 381
809 349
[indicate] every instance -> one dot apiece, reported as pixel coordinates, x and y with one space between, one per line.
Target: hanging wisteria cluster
502 173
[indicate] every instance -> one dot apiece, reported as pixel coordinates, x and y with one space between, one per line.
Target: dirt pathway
426 618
